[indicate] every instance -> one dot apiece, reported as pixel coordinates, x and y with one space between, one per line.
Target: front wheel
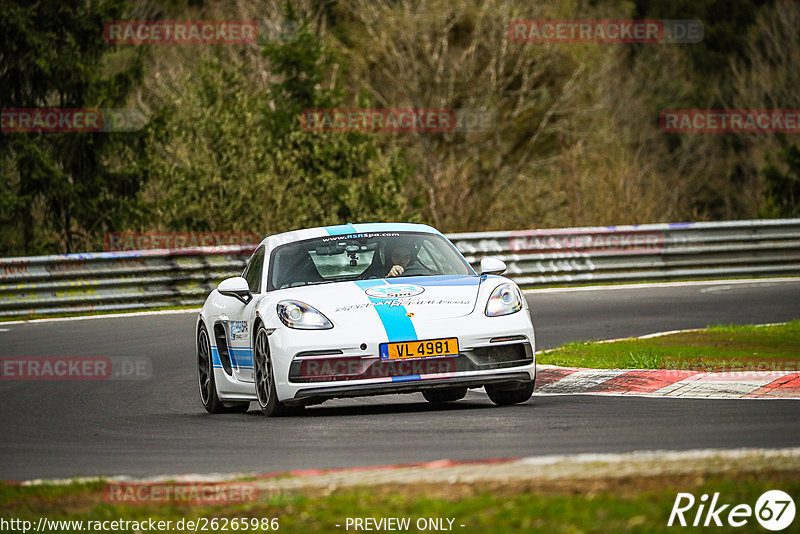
265 379
508 393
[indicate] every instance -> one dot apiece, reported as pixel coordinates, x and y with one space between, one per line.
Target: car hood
366 301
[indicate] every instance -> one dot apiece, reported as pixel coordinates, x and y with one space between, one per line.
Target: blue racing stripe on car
406 378
397 324
350 228
241 356
341 229
437 280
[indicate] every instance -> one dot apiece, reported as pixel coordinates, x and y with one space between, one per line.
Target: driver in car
400 258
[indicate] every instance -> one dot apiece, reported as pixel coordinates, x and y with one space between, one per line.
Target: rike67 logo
774 510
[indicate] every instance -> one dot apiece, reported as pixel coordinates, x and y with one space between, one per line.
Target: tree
227 151
782 191
62 190
334 178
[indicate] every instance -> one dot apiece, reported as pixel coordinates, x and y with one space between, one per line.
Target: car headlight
504 300
296 314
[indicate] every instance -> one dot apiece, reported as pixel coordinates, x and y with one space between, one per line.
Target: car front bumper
312 366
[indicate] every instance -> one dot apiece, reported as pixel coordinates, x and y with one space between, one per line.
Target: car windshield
363 257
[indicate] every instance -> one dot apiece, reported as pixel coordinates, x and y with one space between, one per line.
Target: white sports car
365 309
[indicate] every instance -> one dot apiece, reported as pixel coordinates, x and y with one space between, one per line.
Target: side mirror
235 287
492 266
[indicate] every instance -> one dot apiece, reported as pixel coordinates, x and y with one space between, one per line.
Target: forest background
574 137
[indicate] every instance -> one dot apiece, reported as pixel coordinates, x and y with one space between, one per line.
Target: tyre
437 396
265 379
507 393
206 382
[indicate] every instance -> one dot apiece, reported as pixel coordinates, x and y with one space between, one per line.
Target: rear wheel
206 382
265 379
507 393
438 396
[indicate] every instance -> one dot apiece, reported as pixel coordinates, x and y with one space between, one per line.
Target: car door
239 320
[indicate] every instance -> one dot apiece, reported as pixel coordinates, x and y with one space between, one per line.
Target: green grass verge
607 505
717 348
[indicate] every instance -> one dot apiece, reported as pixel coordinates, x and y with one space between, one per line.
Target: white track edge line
651 285
99 316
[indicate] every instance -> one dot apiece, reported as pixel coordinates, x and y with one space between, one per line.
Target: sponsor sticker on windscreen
428 348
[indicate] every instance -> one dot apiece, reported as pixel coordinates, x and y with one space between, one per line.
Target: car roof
346 229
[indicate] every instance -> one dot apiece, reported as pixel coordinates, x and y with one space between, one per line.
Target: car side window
254 270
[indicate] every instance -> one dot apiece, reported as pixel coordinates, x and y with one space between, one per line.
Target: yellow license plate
419 349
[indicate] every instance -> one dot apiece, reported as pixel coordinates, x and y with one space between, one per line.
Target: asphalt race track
59 429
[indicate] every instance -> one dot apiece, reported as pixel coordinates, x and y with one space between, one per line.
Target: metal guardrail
130 280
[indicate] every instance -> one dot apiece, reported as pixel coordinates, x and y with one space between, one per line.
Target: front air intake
222 347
